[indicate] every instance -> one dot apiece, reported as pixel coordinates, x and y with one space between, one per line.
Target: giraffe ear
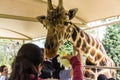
72 13
41 18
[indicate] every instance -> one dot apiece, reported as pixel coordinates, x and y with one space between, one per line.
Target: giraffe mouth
51 53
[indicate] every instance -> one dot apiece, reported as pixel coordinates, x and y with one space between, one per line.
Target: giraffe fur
60 28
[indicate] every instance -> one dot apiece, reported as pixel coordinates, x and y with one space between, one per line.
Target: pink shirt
76 65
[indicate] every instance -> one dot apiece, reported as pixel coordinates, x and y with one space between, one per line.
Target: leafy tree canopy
111 43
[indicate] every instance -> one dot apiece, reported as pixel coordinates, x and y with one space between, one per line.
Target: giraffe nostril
47 46
52 44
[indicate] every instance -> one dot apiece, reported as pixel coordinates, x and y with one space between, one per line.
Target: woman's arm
76 65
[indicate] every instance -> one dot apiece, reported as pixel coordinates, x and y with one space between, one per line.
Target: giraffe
60 28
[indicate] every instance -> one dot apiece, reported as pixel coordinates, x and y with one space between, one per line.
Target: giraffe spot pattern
84 47
93 41
78 42
81 34
92 52
89 74
56 17
98 56
87 38
98 70
68 30
103 62
74 35
77 28
59 37
88 62
66 36
93 69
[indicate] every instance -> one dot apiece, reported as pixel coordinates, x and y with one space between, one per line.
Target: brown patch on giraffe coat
92 52
87 37
89 61
84 47
78 42
98 56
89 74
93 41
98 70
74 34
68 30
103 62
81 33
66 35
76 28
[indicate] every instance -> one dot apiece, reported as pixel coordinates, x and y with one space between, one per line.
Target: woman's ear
72 13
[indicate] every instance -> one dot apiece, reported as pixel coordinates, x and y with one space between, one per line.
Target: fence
99 67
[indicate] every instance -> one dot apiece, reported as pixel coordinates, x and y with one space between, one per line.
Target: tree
111 43
8 50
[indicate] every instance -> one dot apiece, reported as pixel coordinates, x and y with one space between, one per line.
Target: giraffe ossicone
60 28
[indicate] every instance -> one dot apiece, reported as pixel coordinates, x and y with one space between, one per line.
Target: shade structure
18 17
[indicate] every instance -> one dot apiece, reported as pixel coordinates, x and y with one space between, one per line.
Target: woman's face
39 67
5 71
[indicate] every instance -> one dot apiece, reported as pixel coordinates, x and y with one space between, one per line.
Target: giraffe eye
65 23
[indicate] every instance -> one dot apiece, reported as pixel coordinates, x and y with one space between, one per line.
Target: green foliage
111 42
63 62
66 47
8 49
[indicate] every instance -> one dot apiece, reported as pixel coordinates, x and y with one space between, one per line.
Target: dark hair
2 68
47 70
57 67
102 77
111 79
28 58
31 52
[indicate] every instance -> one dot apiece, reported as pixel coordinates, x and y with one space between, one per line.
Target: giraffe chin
51 53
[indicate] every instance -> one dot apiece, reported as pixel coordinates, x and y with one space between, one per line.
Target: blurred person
76 63
57 67
47 70
4 72
27 63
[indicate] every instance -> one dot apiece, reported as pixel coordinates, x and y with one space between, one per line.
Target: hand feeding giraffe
60 29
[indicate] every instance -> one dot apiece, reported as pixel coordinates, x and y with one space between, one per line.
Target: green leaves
66 47
111 42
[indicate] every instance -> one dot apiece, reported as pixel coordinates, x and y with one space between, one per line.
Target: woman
27 63
75 61
4 72
47 70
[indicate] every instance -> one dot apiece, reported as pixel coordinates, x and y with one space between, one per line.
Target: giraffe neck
86 44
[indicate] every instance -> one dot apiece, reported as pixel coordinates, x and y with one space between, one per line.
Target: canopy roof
18 17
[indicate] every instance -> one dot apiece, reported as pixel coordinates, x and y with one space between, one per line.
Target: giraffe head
56 24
